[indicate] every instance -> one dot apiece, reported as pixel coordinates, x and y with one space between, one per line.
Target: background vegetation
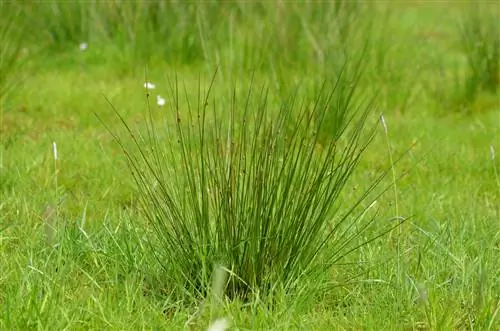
78 249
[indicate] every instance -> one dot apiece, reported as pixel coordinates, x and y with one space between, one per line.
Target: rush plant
248 187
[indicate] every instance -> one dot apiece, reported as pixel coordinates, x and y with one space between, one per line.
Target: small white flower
220 324
149 85
84 46
160 101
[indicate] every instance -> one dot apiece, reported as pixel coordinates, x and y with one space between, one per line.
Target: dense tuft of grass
251 189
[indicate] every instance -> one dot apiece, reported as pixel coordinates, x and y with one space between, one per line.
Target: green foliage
140 30
465 83
480 40
12 32
316 37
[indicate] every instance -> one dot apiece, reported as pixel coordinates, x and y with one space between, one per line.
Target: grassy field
289 227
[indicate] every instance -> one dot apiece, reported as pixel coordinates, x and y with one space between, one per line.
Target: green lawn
76 248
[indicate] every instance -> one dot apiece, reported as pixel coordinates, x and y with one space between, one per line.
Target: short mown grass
84 246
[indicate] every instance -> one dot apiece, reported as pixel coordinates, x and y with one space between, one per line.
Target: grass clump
480 40
469 81
251 189
12 31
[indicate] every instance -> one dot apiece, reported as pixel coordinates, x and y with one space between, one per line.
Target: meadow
264 165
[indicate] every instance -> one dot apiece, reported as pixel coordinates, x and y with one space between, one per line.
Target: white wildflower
149 85
84 46
160 101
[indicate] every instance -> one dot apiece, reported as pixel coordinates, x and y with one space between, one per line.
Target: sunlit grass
95 265
12 34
